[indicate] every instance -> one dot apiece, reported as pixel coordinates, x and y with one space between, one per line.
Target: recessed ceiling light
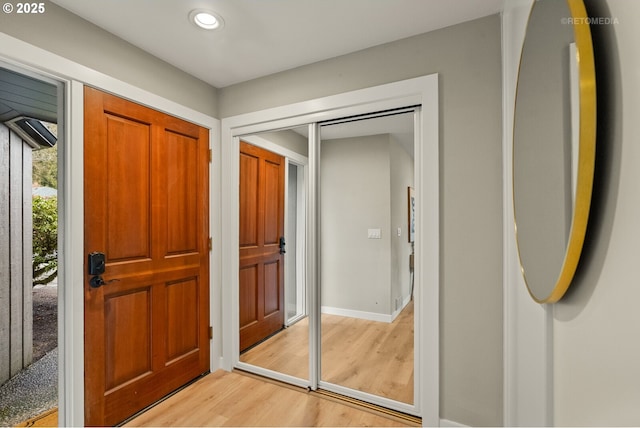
206 19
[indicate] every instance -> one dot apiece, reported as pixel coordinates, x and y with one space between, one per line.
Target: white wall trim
528 338
305 112
33 59
295 157
419 91
301 244
404 304
352 313
71 297
364 315
40 61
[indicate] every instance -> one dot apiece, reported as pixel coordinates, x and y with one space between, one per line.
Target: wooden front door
146 208
261 232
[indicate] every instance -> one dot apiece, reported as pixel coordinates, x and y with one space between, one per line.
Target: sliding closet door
361 313
284 347
366 245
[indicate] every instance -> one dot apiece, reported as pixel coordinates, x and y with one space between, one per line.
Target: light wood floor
369 356
286 352
235 399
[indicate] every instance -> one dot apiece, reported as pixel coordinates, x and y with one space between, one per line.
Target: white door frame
302 172
74 76
418 91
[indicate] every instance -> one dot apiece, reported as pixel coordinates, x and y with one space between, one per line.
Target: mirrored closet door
274 325
338 196
366 249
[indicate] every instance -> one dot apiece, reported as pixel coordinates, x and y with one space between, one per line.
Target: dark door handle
282 244
97 281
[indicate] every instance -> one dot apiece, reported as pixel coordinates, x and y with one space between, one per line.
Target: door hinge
210 244
210 155
210 332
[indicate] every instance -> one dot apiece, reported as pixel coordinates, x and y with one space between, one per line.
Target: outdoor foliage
45 240
45 167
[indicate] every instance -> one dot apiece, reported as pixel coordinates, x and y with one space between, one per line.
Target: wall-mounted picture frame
412 214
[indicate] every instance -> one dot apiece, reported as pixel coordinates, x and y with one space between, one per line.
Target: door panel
261 226
248 295
146 208
181 207
127 172
182 320
271 288
248 200
273 181
130 335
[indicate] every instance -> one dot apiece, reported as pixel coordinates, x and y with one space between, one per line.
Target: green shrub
45 167
45 240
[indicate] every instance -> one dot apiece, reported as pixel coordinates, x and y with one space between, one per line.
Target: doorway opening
31 108
295 291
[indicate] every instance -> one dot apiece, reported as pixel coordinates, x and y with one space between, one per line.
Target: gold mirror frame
586 156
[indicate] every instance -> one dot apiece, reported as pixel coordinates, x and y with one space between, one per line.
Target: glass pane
367 322
274 329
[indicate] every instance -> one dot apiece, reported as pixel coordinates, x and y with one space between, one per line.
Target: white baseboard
370 316
448 423
220 364
351 313
405 302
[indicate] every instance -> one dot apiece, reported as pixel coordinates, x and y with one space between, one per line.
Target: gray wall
596 346
289 139
468 60
355 191
364 185
69 36
16 319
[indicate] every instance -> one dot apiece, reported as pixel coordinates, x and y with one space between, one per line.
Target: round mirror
553 145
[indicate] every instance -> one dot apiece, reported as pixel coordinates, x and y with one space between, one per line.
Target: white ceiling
261 37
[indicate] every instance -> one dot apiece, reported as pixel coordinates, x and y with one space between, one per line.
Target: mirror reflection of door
274 329
367 321
366 281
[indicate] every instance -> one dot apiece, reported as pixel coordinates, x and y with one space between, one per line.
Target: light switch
399 231
374 234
